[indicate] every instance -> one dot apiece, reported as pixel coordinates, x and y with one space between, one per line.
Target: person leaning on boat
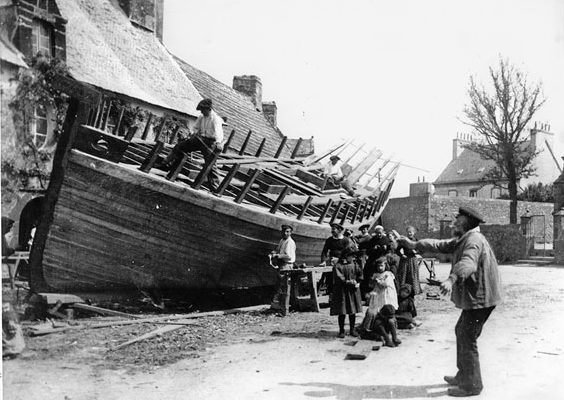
207 138
284 255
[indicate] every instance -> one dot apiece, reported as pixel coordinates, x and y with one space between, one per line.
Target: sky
390 74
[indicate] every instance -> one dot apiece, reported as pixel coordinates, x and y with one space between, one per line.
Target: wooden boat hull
118 228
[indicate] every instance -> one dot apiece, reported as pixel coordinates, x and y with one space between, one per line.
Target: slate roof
467 167
106 50
241 115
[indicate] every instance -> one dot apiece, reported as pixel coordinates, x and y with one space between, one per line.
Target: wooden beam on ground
104 311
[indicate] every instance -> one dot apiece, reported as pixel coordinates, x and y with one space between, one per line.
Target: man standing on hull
476 289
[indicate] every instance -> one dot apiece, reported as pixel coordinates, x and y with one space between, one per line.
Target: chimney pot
270 111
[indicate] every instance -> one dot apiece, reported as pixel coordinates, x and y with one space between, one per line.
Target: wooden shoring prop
245 143
176 169
281 147
325 211
280 199
239 199
118 122
336 212
152 157
227 180
305 207
146 129
260 148
202 176
229 140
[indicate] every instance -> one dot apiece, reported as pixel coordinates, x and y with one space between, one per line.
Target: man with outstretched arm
475 287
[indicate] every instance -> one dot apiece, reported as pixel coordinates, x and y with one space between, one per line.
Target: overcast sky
393 74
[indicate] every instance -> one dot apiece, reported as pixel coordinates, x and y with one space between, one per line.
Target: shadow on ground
346 392
322 334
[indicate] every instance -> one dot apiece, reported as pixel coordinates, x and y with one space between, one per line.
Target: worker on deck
284 255
207 138
334 174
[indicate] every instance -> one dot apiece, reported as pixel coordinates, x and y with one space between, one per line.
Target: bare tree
500 114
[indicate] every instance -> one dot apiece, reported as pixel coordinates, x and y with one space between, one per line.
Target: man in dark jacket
475 287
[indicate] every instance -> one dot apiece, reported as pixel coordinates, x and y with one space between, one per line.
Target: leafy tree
535 192
499 114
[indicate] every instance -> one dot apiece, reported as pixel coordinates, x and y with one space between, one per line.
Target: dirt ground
262 356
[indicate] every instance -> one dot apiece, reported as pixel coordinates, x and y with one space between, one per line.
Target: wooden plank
53 298
363 166
104 311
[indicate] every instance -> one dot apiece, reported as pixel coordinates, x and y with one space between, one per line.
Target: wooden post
147 125
305 207
245 143
239 199
296 149
325 211
205 172
336 212
231 136
131 133
176 169
161 129
107 116
261 147
279 200
152 157
225 183
281 147
174 134
118 123
345 213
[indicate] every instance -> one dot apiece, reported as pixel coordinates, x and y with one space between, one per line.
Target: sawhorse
14 261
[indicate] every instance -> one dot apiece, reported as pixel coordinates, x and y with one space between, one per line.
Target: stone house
465 173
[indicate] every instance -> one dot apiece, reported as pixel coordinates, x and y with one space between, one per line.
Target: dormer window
460 171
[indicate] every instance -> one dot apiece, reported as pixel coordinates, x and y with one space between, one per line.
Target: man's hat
337 226
379 228
206 103
471 213
284 227
333 158
361 227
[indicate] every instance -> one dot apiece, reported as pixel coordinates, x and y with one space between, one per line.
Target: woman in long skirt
408 269
345 297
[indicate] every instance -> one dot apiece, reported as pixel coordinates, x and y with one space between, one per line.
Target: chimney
251 86
270 111
457 145
147 14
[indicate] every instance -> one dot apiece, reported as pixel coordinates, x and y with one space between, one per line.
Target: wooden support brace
239 199
228 178
229 140
176 169
336 212
118 123
152 157
245 143
147 125
325 211
202 176
345 213
261 147
297 148
305 207
279 200
281 147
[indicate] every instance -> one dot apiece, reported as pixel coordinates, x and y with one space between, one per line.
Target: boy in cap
475 287
207 139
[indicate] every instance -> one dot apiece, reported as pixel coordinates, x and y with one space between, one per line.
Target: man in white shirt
207 139
285 254
334 174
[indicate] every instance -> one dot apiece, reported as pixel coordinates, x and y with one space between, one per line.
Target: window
42 38
473 193
452 193
40 131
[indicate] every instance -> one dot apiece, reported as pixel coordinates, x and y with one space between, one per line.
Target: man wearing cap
334 174
207 139
475 287
284 256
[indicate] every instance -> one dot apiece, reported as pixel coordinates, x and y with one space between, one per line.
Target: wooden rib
146 129
99 111
305 207
174 134
106 116
118 123
247 187
229 140
296 149
245 143
205 172
281 147
325 211
261 147
176 169
336 212
345 213
225 183
152 157
131 133
161 129
279 200
356 211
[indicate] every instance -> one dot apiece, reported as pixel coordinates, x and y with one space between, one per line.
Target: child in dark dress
381 327
406 313
345 297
